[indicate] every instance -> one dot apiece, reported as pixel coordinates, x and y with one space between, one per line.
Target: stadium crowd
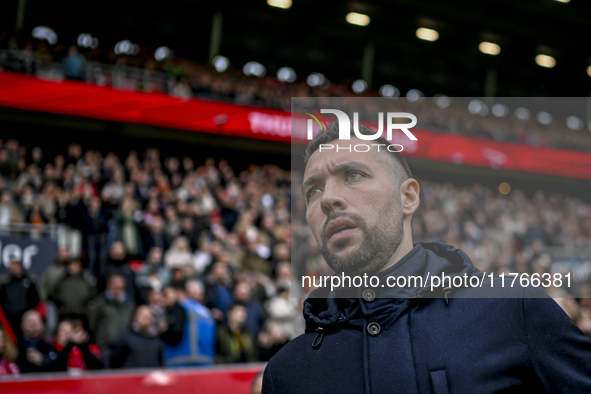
159 262
169 262
186 78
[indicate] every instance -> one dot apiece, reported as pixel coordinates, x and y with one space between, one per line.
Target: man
255 317
175 318
118 264
235 342
197 344
109 316
359 207
34 353
75 280
17 295
141 346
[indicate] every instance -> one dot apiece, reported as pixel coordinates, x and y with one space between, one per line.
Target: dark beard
379 243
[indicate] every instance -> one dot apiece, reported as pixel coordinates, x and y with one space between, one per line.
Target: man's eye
312 192
353 175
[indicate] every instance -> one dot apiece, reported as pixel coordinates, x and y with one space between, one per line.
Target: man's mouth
342 232
339 228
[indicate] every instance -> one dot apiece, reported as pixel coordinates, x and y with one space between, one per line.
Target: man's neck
403 249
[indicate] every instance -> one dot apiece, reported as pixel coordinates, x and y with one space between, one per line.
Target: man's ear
409 196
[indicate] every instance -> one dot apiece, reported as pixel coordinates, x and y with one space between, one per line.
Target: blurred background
145 169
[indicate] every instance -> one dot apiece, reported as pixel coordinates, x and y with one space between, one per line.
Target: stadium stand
142 253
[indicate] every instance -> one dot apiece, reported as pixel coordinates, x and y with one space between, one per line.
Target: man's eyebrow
310 181
350 165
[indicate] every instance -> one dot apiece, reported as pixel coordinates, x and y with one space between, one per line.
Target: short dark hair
325 136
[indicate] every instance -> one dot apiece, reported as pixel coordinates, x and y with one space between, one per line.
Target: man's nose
332 198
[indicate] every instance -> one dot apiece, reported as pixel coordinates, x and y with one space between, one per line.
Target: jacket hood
325 308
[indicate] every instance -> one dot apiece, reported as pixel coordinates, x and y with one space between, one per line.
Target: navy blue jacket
437 345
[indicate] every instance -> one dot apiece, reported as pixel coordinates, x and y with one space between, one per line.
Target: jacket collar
325 308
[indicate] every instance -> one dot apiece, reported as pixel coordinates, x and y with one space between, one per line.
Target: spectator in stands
70 210
175 318
218 291
283 273
9 212
74 64
255 317
73 291
127 227
235 342
155 236
200 328
54 272
152 275
76 353
141 346
109 315
179 254
158 310
95 231
34 353
190 231
8 355
271 340
286 312
17 295
117 264
203 255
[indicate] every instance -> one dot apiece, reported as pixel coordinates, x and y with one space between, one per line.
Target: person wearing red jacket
76 353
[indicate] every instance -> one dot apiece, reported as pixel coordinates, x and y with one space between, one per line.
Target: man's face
353 207
170 296
15 269
32 325
116 285
143 317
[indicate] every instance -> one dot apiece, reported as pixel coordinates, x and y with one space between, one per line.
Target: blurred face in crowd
155 255
157 224
37 153
6 198
194 291
177 274
117 251
64 331
74 267
32 325
95 204
182 244
143 318
219 271
284 270
116 285
15 269
155 298
355 206
63 255
237 316
170 296
281 252
242 292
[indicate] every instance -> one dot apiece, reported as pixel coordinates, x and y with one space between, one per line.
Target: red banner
81 99
204 381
